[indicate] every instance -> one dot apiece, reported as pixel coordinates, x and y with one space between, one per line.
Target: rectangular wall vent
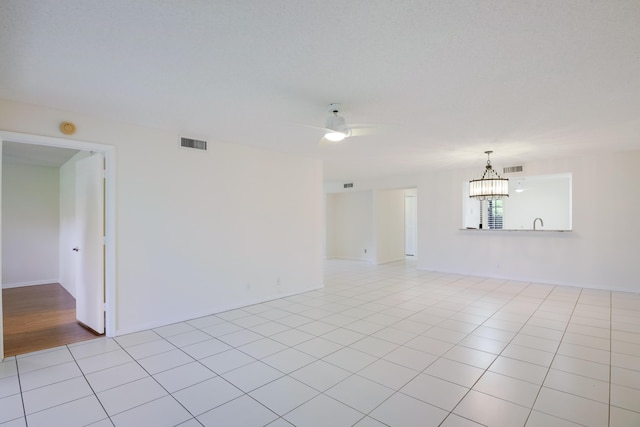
513 169
193 143
349 185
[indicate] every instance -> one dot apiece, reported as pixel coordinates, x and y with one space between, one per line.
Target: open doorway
377 226
52 290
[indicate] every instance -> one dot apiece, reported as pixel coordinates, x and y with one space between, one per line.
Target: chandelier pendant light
491 186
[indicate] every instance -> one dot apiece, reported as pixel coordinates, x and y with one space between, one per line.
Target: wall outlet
365 251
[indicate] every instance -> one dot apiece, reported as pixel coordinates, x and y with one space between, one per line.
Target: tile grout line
89 384
24 409
499 354
552 359
610 354
156 381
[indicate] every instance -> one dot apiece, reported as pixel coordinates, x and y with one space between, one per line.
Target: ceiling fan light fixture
336 125
335 136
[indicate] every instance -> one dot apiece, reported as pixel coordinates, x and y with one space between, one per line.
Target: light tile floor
379 345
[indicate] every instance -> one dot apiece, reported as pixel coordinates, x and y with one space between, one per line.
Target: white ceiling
38 155
444 80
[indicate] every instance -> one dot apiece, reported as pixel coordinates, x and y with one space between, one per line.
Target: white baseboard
21 284
216 310
390 260
370 261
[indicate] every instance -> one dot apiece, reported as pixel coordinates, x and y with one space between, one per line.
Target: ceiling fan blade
327 140
325 130
362 131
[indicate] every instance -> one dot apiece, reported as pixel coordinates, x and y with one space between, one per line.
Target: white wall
30 222
330 218
350 226
389 225
381 183
198 232
600 252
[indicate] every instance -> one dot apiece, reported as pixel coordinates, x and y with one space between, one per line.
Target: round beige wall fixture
67 128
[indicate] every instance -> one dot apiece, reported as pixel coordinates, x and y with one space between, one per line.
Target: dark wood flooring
39 317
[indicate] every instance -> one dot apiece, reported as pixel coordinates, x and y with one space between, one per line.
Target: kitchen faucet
534 223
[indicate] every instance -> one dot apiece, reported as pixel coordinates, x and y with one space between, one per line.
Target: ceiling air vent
193 143
513 169
349 185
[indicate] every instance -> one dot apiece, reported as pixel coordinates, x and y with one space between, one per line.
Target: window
494 214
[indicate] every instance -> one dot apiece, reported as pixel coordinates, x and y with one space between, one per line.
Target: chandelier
491 186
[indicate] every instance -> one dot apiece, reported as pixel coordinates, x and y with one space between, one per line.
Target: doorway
109 212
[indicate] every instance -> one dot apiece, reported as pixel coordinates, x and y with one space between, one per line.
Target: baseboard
388 261
36 283
532 280
215 310
370 261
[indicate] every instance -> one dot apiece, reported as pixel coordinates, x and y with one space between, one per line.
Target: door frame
109 152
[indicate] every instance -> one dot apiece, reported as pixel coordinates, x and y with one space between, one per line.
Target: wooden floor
40 317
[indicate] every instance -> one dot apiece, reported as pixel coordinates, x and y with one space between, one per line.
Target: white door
410 224
90 238
1 314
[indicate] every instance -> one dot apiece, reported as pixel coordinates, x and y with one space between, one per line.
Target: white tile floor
379 345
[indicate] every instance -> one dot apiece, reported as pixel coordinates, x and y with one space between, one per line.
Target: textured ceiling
35 155
443 80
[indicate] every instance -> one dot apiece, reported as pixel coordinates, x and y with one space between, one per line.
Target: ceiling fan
335 125
336 128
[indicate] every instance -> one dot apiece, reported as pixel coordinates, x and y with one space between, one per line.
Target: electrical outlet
365 251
